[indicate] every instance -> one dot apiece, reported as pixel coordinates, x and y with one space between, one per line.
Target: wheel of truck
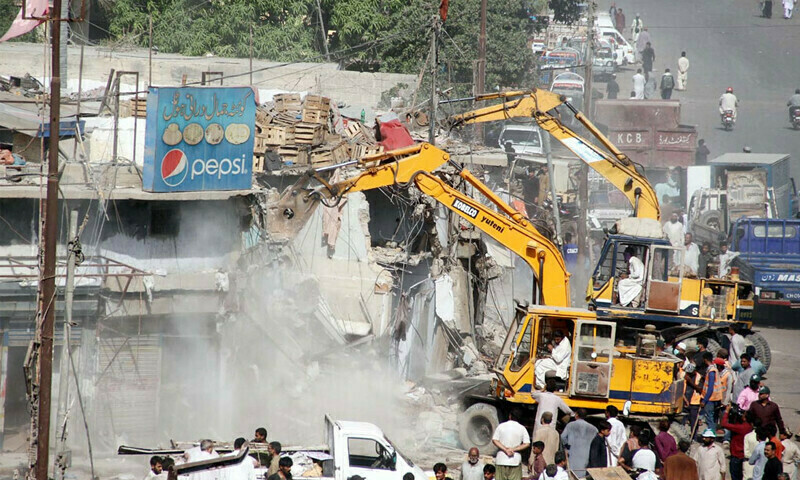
476 427
762 348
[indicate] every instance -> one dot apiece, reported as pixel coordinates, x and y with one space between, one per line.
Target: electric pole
47 297
480 67
434 71
323 31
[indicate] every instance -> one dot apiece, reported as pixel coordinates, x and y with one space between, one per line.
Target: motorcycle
728 120
794 114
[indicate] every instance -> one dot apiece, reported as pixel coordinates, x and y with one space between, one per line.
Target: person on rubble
559 360
706 257
725 258
691 256
544 185
673 229
156 468
284 470
472 469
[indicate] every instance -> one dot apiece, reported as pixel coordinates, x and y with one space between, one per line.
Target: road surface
728 44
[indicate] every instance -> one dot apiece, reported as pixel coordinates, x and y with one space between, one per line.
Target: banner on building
199 138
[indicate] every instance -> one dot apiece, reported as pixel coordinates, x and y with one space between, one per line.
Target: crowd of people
727 405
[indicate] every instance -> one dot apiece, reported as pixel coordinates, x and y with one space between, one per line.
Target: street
728 45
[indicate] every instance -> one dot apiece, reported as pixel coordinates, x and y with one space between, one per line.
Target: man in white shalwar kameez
788 6
683 72
558 361
631 287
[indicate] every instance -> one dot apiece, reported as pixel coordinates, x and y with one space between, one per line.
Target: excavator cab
657 287
526 346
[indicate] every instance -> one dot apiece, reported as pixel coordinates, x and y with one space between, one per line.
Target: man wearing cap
767 411
710 458
749 394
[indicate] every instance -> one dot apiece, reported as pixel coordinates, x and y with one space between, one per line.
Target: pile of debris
308 132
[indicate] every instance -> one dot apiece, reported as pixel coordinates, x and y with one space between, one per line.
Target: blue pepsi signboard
199 138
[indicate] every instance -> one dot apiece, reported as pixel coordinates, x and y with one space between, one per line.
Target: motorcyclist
728 101
793 103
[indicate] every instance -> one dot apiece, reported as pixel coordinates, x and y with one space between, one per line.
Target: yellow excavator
677 305
605 366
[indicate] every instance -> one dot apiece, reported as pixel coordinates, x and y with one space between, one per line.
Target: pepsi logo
174 167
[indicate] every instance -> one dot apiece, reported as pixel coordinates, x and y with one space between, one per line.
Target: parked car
604 61
623 49
525 138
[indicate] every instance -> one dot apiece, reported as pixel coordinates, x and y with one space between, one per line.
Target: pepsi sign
199 138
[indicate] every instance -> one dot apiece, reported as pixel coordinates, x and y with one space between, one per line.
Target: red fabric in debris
394 135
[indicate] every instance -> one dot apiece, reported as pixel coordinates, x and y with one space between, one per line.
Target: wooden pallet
285 119
315 116
258 163
308 134
357 133
139 107
361 151
271 136
295 154
263 117
287 101
340 152
317 102
321 158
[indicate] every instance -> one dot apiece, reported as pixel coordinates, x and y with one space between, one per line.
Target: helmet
729 90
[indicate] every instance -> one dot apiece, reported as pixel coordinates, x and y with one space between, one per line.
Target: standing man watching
547 434
773 466
548 402
667 84
510 438
599 451
710 458
767 411
618 436
472 469
683 72
612 87
712 392
577 439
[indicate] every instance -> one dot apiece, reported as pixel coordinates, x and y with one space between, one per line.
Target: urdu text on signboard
199 138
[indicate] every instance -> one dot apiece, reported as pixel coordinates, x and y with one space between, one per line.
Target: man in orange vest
711 394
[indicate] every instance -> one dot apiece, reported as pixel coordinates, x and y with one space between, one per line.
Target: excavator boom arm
506 226
617 169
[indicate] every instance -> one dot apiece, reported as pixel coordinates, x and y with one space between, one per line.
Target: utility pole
324 33
149 55
583 187
480 74
551 171
47 298
60 464
434 72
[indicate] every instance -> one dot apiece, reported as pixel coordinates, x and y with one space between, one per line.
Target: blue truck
769 257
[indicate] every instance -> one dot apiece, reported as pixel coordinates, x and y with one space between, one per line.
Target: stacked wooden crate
300 132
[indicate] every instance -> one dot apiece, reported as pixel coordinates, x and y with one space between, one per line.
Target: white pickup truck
351 449
359 448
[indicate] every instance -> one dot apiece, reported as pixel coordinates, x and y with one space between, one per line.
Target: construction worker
711 394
